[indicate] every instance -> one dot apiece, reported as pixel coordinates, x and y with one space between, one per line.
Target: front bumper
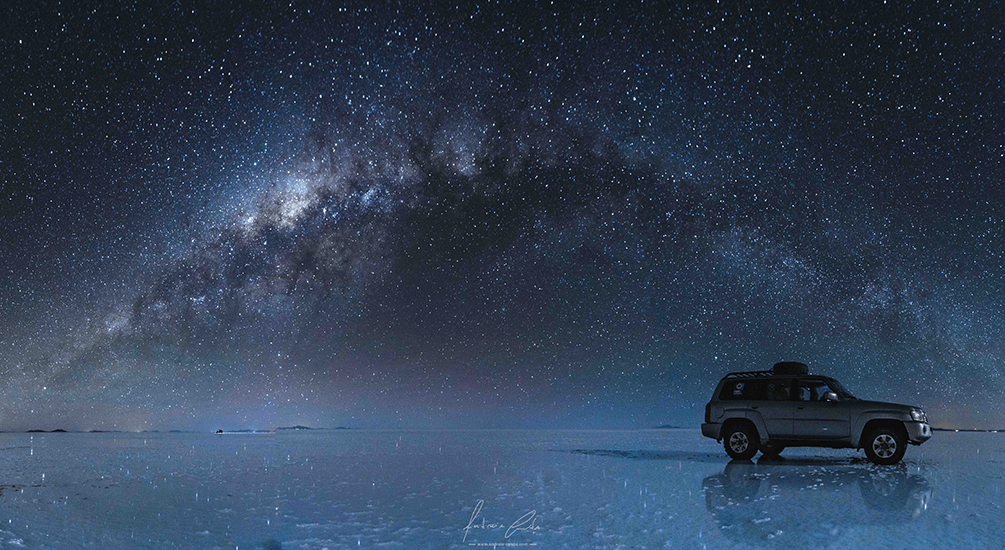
711 429
918 432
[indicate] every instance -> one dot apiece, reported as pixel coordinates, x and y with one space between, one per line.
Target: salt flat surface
422 489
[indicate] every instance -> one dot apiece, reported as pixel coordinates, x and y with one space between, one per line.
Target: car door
814 418
774 406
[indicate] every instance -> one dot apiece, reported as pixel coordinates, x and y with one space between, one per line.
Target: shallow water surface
465 489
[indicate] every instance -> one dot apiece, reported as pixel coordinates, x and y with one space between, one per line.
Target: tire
885 446
886 490
739 481
770 449
741 442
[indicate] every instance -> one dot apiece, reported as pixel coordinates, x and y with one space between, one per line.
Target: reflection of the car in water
785 501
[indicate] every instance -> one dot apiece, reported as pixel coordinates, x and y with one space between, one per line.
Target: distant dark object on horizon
671 427
56 431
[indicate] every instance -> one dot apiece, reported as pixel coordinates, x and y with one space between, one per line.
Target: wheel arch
755 419
730 422
878 423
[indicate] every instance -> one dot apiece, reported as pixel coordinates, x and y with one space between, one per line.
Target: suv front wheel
885 446
741 442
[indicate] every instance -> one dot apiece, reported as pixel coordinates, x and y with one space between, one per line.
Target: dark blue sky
503 215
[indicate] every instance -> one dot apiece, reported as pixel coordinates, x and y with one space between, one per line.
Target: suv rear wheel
771 449
740 441
885 446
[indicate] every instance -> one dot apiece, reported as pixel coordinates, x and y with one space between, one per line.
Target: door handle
799 408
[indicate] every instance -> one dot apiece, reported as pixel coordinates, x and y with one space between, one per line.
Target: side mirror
831 396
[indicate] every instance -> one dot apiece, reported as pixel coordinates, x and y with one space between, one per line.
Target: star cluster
495 215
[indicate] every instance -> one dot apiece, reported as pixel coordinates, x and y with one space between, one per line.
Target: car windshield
844 393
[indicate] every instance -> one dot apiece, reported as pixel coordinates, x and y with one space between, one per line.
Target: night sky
516 215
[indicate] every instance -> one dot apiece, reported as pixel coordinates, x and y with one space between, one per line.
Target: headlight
919 415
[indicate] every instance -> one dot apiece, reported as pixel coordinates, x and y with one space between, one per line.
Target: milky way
494 216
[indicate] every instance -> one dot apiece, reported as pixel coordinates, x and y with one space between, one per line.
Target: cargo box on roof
791 367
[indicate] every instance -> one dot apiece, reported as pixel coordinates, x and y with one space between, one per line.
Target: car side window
812 390
755 390
743 389
778 390
732 390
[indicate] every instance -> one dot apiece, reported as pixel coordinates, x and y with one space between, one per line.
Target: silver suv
788 407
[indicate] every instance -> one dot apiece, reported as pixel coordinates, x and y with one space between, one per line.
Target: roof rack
750 374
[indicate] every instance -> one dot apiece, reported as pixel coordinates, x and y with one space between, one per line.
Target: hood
882 405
